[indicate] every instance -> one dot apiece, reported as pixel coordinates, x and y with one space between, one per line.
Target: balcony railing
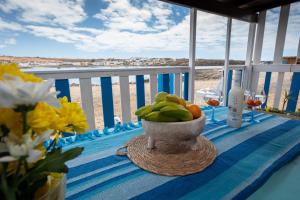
169 79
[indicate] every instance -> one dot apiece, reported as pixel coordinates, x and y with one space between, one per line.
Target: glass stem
213 114
252 114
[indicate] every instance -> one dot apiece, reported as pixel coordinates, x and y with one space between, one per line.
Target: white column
298 53
87 101
125 99
153 86
192 53
258 49
227 55
249 54
279 46
177 84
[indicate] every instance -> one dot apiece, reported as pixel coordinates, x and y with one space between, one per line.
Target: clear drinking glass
213 103
253 101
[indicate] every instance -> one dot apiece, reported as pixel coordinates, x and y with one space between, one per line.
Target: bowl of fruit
171 124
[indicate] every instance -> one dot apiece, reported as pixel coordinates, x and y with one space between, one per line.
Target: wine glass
262 97
253 101
213 101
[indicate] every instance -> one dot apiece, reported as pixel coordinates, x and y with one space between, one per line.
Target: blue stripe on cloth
294 152
183 185
85 174
210 126
234 131
99 174
100 179
247 169
109 141
212 130
96 164
114 180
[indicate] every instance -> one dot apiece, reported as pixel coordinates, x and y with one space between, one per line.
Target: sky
127 28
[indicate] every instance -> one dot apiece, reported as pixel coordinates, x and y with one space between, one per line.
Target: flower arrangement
30 114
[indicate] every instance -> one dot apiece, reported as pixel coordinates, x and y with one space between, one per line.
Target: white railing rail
276 68
89 72
85 74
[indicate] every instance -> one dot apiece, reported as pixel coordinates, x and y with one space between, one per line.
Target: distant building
289 60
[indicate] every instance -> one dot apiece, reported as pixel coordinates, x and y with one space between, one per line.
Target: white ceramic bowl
172 137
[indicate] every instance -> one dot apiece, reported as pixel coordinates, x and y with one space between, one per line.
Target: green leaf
55 160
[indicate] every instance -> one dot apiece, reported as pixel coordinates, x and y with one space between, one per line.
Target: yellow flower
42 118
11 120
72 117
13 69
268 109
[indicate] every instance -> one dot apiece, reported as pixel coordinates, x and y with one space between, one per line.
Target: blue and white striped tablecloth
247 157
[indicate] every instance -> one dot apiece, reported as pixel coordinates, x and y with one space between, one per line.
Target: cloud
125 15
136 26
117 40
8 42
4 25
59 12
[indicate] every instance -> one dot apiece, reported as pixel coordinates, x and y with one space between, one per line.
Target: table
247 158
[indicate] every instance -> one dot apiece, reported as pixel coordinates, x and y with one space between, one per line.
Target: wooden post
279 46
226 64
249 54
192 53
258 49
86 92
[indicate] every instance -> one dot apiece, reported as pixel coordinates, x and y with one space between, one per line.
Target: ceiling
246 10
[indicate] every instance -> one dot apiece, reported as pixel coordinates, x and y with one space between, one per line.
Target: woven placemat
171 164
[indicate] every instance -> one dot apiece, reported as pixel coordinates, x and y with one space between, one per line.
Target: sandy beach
199 84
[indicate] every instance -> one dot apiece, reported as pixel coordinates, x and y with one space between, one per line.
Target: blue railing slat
171 83
163 83
267 87
186 86
62 85
107 101
229 83
294 92
140 91
160 83
166 83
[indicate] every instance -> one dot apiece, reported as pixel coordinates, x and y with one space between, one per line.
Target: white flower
16 92
26 148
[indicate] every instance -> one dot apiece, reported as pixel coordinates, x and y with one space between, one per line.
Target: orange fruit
213 102
195 110
250 102
182 102
257 102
